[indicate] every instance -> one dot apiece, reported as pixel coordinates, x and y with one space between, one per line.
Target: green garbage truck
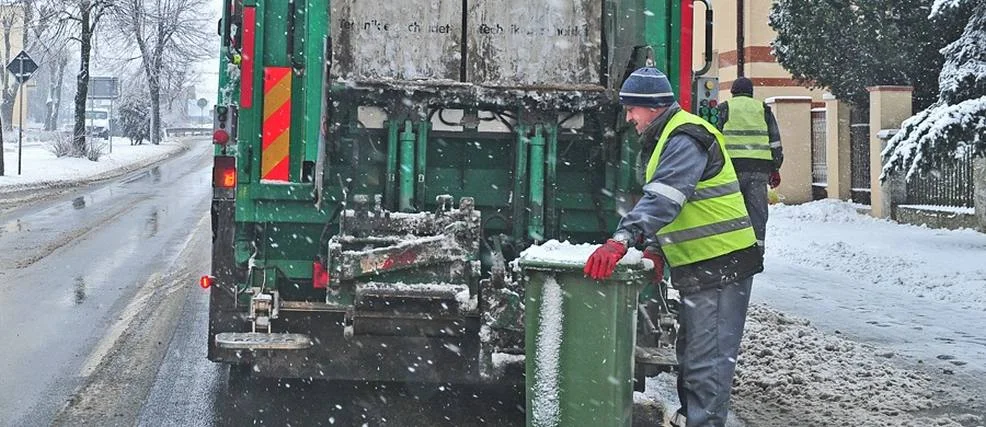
379 164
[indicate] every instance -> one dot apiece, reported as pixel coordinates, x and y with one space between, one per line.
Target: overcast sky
208 85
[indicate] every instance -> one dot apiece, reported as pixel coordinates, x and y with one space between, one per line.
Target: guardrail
187 131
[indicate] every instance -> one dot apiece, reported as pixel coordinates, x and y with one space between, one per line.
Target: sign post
202 103
105 88
22 67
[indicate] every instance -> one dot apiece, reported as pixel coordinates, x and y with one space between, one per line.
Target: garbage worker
754 143
692 215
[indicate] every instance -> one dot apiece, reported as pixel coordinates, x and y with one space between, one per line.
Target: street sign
22 67
104 87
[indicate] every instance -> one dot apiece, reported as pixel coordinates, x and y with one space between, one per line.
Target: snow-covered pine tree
846 46
955 124
135 118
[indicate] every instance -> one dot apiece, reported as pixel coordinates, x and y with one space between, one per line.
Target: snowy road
105 325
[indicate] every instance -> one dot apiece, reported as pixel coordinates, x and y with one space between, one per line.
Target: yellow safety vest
713 221
746 130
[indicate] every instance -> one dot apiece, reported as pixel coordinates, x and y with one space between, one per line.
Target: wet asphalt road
102 323
70 270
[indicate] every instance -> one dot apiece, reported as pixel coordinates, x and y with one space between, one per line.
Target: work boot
677 419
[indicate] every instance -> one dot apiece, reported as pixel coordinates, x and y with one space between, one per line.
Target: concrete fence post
837 148
889 106
793 114
893 190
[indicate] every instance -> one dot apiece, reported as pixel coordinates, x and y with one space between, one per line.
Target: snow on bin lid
555 253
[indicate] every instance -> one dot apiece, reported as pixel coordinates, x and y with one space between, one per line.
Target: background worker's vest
713 221
746 130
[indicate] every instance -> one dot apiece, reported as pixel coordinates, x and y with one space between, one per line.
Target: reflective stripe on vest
746 130
713 221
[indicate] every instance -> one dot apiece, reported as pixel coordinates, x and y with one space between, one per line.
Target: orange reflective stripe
276 140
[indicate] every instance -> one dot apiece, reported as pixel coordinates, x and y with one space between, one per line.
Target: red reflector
320 277
685 57
220 137
248 51
206 282
224 172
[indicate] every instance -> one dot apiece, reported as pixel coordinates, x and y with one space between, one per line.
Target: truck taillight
206 282
224 172
320 277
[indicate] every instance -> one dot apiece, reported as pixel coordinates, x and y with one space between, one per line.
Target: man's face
641 117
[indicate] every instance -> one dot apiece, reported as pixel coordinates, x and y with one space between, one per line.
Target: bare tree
56 84
50 47
170 35
85 15
12 15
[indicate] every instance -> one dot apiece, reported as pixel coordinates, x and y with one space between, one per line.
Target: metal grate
949 185
819 173
859 154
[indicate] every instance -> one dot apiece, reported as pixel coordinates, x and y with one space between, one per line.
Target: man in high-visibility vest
754 143
691 215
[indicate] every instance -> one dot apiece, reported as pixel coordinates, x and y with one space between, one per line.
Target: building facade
12 31
741 47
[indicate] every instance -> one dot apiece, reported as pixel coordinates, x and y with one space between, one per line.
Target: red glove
602 262
658 261
775 179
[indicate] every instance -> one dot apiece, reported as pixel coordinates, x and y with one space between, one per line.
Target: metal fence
859 154
949 185
819 173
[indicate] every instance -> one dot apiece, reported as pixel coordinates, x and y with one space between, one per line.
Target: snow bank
789 373
831 236
40 167
786 363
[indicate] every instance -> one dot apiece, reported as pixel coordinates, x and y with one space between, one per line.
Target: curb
110 174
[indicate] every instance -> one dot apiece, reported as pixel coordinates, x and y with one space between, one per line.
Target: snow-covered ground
859 321
40 167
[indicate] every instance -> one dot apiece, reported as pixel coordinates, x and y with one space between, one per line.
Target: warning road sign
22 67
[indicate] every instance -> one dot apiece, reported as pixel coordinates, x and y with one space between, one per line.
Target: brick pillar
889 106
837 154
793 115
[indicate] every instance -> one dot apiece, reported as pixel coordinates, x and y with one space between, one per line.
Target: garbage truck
379 164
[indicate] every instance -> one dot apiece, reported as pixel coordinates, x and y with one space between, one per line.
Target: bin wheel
639 379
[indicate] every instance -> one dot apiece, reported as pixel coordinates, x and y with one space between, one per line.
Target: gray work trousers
711 327
753 185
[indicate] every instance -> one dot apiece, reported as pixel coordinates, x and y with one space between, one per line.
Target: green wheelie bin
580 337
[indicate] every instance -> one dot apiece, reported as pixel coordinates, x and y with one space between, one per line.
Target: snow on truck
379 163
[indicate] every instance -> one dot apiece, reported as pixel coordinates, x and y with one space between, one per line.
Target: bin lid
565 256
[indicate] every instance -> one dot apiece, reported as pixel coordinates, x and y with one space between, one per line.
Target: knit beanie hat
742 85
647 87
